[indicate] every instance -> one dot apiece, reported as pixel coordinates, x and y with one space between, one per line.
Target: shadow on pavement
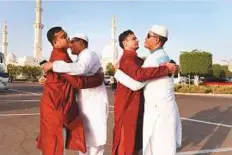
194 133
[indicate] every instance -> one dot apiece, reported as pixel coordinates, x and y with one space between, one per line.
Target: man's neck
83 49
130 49
155 48
60 49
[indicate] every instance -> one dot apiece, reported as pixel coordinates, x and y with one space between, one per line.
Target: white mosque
10 58
108 55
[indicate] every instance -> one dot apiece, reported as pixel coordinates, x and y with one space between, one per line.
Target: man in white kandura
93 102
162 130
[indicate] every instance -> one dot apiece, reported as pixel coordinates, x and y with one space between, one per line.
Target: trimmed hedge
195 62
203 89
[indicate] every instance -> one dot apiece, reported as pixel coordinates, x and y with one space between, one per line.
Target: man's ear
157 39
54 42
124 43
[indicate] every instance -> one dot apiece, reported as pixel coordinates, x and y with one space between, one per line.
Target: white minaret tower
113 39
4 40
38 26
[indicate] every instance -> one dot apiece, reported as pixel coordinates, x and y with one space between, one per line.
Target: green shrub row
203 89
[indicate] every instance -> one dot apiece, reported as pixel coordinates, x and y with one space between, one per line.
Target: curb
209 95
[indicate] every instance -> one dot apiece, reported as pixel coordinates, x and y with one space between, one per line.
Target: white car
107 80
180 80
4 78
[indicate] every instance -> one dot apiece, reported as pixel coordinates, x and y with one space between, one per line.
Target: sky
203 25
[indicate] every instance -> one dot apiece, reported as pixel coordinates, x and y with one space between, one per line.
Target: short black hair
123 36
85 43
163 40
51 33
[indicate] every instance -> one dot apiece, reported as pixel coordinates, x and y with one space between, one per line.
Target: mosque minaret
113 39
10 58
110 51
38 26
4 40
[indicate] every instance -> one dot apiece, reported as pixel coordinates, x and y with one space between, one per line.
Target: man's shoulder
157 58
129 57
125 59
90 52
86 53
89 55
160 53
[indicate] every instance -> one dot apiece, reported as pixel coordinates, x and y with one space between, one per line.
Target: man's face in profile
61 40
76 45
131 42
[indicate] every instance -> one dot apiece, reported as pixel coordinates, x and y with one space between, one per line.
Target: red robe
127 112
58 109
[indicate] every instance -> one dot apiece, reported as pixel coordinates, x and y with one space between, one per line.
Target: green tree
195 63
36 72
226 70
26 71
110 70
218 71
19 70
12 70
32 72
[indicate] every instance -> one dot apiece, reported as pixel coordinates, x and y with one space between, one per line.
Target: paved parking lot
206 122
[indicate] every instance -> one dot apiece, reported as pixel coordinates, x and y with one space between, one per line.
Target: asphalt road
206 122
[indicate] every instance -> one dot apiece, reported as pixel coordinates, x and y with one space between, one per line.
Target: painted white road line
13 90
111 111
37 94
199 121
28 114
206 122
31 93
19 100
205 151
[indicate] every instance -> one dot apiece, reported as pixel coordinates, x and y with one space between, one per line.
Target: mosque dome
109 53
11 57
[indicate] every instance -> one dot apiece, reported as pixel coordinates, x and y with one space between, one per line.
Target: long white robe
93 102
162 130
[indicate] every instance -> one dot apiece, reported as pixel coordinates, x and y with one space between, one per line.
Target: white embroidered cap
160 30
81 36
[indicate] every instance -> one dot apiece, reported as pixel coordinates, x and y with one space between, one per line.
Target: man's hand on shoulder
47 66
173 68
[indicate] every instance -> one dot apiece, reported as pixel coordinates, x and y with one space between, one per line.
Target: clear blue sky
202 25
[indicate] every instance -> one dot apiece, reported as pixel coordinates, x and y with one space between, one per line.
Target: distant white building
230 65
227 63
28 60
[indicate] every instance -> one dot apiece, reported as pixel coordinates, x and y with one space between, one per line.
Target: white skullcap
160 30
81 36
